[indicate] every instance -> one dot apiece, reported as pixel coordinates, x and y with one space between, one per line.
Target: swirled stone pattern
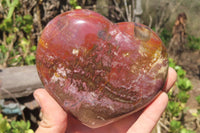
100 71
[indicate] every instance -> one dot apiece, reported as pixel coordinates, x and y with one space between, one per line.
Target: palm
74 126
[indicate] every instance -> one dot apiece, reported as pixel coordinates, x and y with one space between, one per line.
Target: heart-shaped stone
100 71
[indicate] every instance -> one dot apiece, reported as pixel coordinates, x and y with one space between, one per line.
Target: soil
190 61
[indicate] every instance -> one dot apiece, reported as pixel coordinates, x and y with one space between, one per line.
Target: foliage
184 84
183 130
165 36
178 97
16 30
181 73
193 42
74 4
14 126
183 96
174 108
198 99
175 126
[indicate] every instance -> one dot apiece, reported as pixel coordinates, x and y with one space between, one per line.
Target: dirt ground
190 61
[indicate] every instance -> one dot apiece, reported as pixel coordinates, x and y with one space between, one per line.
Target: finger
171 79
149 118
54 118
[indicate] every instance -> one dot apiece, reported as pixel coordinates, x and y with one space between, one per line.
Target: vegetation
178 97
74 4
14 126
15 48
166 35
193 42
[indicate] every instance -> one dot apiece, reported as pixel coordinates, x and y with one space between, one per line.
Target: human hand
56 120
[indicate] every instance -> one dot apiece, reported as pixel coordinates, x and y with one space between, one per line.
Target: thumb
54 118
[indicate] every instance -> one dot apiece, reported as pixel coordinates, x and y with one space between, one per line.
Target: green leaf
198 111
181 73
28 125
28 19
30 60
6 25
175 126
4 125
74 4
19 126
184 84
193 42
78 7
186 131
14 60
12 7
165 36
3 49
198 99
25 23
9 39
14 126
27 28
171 63
33 48
19 21
174 108
24 44
29 131
183 96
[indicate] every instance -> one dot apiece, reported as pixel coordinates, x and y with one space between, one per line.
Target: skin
56 120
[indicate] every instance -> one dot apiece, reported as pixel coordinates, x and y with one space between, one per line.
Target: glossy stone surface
100 71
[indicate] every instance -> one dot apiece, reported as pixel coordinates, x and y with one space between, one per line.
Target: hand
56 120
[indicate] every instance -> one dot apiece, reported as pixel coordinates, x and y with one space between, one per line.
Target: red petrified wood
100 71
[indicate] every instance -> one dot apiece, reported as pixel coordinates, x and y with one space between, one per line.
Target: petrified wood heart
100 71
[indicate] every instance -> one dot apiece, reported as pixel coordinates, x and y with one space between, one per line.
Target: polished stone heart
100 71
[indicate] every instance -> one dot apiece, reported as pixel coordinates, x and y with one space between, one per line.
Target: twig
120 11
147 6
130 8
177 5
127 12
164 18
39 17
162 125
133 7
150 21
83 3
197 122
158 128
